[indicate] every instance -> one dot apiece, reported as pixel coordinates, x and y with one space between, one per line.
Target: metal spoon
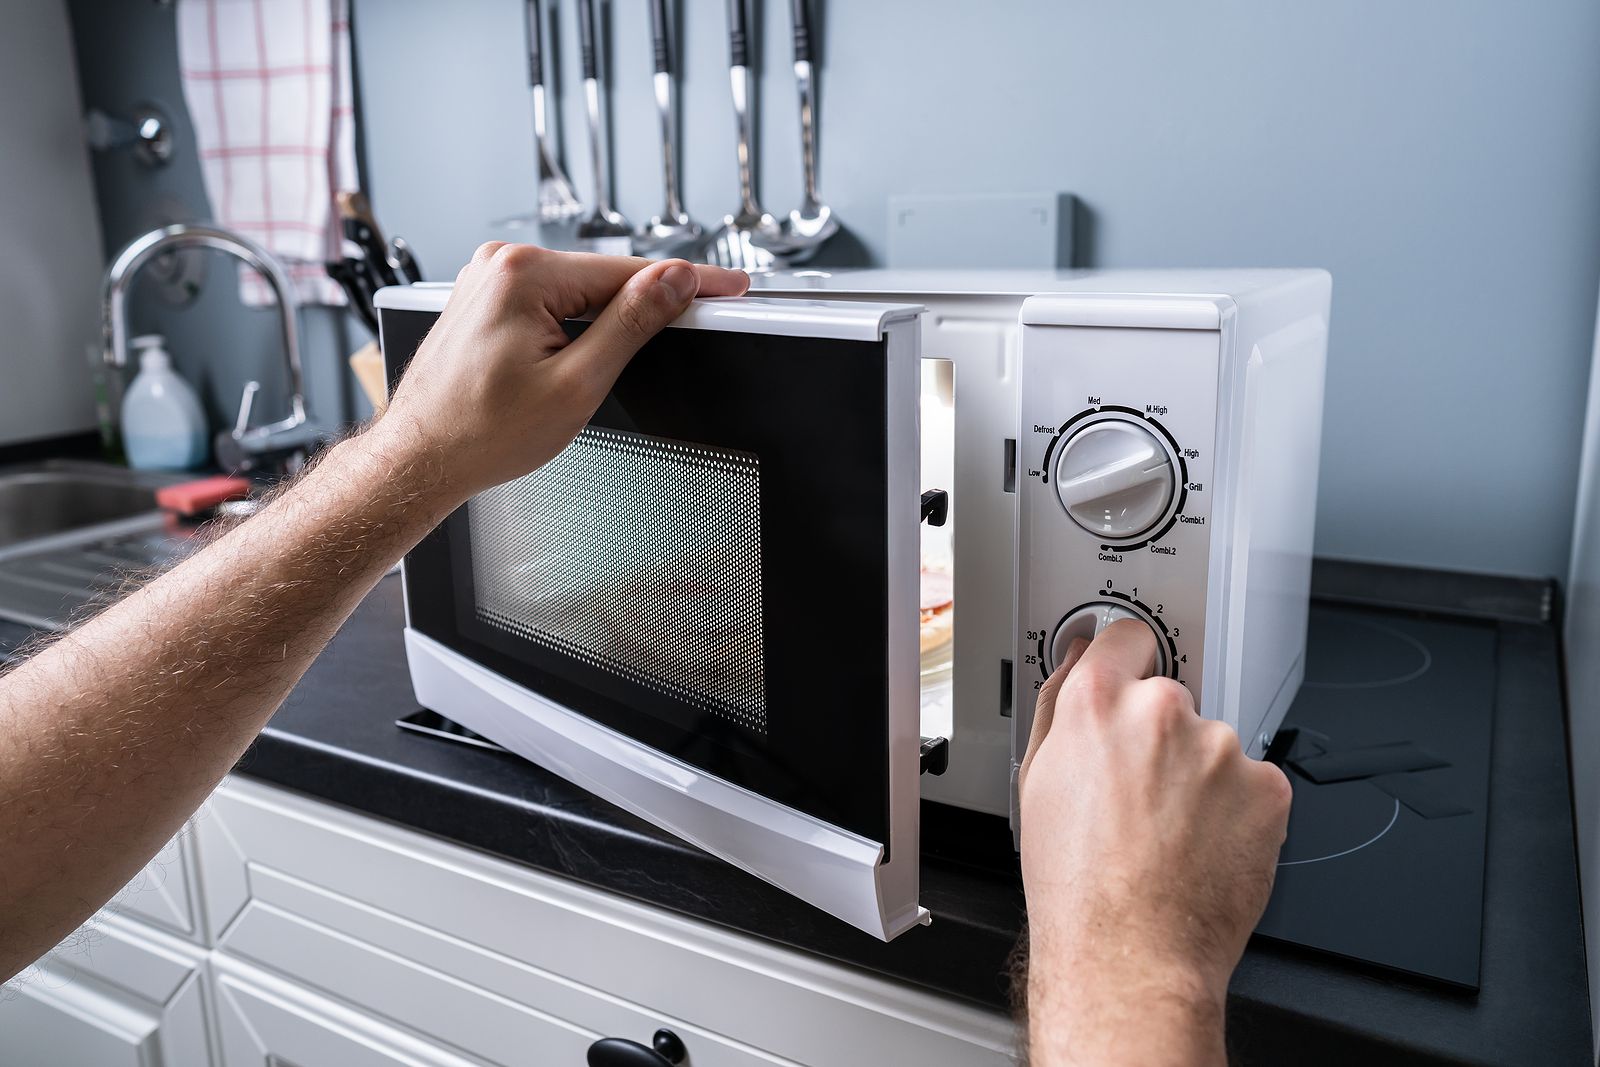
745 238
557 201
604 230
672 231
813 222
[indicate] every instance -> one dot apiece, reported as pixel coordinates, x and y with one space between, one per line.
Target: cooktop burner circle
1351 653
1334 820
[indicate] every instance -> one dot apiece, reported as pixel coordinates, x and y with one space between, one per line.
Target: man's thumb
1044 711
647 302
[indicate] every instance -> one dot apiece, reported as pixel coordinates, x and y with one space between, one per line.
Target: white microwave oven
813 556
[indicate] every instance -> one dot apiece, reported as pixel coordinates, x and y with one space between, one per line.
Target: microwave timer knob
1087 622
1116 478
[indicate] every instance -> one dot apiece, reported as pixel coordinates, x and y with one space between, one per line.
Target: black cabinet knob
667 1051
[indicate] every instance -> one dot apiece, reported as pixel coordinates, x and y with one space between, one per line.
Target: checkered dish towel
268 87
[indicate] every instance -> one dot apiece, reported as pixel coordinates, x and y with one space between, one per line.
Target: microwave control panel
1114 484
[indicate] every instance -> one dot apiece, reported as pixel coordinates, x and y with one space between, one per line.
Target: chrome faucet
114 325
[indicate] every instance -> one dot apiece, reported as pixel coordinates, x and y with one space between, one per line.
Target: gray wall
49 234
1440 157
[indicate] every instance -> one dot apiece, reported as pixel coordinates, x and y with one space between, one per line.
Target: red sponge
191 498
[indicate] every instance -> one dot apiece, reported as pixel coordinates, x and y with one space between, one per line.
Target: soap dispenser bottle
163 426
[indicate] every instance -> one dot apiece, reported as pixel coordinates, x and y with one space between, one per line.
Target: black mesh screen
640 556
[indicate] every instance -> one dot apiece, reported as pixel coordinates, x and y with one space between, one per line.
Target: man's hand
111 737
498 388
1149 844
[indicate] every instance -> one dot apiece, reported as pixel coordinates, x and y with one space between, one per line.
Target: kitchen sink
71 534
52 498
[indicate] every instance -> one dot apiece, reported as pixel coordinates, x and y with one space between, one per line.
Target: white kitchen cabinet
116 992
264 1021
493 1008
514 966
165 894
332 939
50 1019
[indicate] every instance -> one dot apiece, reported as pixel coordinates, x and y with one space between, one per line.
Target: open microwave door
705 609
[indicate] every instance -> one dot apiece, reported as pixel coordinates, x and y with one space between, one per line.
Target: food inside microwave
937 607
938 602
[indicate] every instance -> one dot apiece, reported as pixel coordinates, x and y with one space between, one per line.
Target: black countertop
335 739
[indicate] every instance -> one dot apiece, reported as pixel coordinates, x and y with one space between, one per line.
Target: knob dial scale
1089 619
1118 474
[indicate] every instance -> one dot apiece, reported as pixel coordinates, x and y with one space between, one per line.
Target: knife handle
802 31
586 38
535 44
738 34
400 252
658 36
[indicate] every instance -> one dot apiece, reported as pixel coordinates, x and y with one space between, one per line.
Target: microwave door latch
935 507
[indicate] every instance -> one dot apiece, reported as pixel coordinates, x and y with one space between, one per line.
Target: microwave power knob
1115 478
1087 622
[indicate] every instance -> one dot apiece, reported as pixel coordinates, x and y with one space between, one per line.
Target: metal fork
672 232
557 201
604 229
738 242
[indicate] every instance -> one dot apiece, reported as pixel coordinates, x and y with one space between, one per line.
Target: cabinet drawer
263 1021
163 894
115 992
457 996
299 886
50 1019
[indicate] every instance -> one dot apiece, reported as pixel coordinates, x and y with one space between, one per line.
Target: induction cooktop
1387 748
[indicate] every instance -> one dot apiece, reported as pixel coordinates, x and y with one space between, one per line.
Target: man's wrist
1112 999
392 453
1131 979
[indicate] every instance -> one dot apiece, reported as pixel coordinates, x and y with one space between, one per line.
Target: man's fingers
647 301
1044 710
720 281
1123 651
1275 784
570 283
467 277
581 281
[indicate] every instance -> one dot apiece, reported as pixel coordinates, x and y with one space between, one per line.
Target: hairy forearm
1095 1001
114 734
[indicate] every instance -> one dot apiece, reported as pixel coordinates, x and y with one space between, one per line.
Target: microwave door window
638 556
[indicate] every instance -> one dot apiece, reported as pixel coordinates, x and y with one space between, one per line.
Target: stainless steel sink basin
70 532
37 502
